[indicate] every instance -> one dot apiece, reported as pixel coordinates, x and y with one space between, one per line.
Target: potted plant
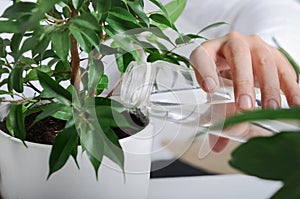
56 51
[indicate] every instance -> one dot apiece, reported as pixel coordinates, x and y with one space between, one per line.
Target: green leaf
83 43
16 119
18 10
161 7
290 189
113 149
123 61
102 6
175 9
61 44
3 52
16 79
262 114
77 3
62 148
15 44
53 89
95 163
47 111
103 84
86 20
161 19
138 9
64 114
10 27
63 71
32 75
214 25
96 68
183 39
123 14
289 57
275 158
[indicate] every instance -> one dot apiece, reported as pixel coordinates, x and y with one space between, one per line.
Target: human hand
249 62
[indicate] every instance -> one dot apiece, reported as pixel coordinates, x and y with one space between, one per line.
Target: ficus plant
56 50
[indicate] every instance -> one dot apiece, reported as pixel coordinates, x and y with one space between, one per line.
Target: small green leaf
47 111
61 44
96 68
158 18
95 162
123 61
62 148
138 9
53 90
103 84
160 6
77 3
16 79
10 27
86 20
123 14
83 43
183 39
175 8
17 10
65 113
16 119
214 25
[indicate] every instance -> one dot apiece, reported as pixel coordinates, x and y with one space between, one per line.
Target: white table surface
234 186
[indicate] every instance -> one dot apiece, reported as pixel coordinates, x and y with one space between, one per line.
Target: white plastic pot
24 172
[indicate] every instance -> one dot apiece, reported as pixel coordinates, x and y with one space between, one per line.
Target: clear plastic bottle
168 90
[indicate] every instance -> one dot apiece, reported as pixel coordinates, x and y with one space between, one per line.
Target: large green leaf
53 90
62 149
290 188
275 158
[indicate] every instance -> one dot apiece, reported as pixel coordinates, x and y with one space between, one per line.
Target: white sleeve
267 18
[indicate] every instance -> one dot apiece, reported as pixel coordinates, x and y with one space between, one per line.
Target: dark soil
45 131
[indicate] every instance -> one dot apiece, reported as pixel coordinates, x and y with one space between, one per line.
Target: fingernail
272 104
296 100
209 83
245 102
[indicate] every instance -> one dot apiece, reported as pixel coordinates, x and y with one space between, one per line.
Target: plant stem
75 58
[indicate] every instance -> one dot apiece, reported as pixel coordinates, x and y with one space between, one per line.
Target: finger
265 69
288 79
205 69
237 53
217 144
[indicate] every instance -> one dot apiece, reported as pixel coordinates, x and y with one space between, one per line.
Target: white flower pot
24 172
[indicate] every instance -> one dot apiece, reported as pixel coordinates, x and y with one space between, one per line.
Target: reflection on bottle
169 91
